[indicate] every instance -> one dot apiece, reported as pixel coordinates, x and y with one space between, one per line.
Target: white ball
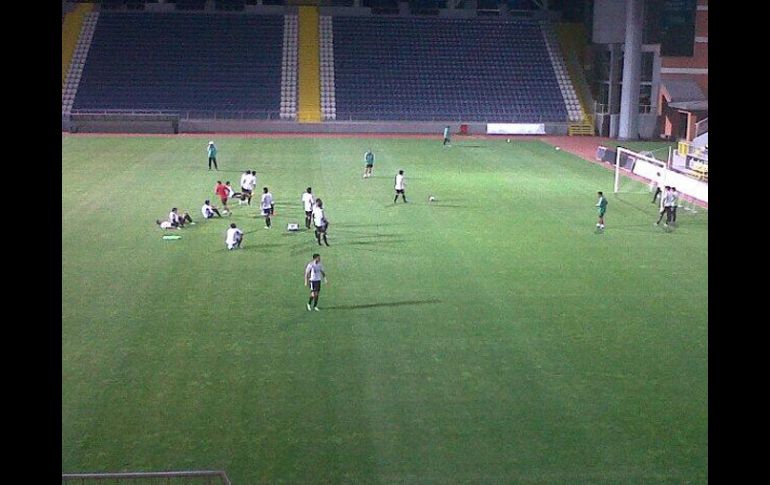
558 148
431 198
508 140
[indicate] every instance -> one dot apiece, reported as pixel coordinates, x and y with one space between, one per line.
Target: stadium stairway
309 72
72 24
289 69
565 83
79 55
571 38
328 102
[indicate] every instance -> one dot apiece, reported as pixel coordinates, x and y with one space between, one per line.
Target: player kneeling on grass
314 271
209 210
267 206
320 222
234 237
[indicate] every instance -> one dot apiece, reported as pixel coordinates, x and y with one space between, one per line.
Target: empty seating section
204 63
440 69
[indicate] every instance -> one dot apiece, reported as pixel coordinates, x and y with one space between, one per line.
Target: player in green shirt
369 161
212 152
602 205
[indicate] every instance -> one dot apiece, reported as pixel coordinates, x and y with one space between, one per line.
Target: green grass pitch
492 336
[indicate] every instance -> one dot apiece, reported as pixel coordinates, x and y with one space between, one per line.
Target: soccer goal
637 173
643 173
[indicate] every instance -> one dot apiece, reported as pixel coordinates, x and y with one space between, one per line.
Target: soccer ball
508 140
431 198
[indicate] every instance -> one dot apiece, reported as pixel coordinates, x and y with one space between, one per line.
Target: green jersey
212 151
369 158
602 205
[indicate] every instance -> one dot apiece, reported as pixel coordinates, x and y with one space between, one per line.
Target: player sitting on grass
209 210
179 221
165 224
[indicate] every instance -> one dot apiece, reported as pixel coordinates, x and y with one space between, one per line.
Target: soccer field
491 336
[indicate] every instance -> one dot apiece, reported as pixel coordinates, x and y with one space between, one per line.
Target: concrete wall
407 127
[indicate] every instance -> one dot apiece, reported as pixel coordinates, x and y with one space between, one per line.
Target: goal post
640 173
642 167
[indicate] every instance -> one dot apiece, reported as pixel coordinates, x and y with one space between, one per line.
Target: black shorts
267 212
399 191
245 191
315 286
320 228
308 213
369 165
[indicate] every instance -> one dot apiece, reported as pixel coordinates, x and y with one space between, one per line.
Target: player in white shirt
178 221
232 194
252 182
674 205
400 186
245 188
308 200
165 224
666 201
209 210
266 204
314 271
320 221
234 237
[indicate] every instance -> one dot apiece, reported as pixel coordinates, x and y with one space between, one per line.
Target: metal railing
701 127
206 477
603 109
185 114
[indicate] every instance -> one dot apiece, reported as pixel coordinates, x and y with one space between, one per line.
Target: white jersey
230 192
207 211
314 271
251 182
245 180
267 200
308 200
166 225
668 199
319 218
173 217
399 182
233 236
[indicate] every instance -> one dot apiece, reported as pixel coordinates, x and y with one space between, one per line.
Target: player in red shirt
223 193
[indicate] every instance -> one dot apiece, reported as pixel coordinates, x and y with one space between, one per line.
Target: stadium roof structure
684 94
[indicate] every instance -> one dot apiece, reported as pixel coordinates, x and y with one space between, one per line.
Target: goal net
641 174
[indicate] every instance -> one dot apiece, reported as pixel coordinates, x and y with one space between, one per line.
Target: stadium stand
211 64
469 70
